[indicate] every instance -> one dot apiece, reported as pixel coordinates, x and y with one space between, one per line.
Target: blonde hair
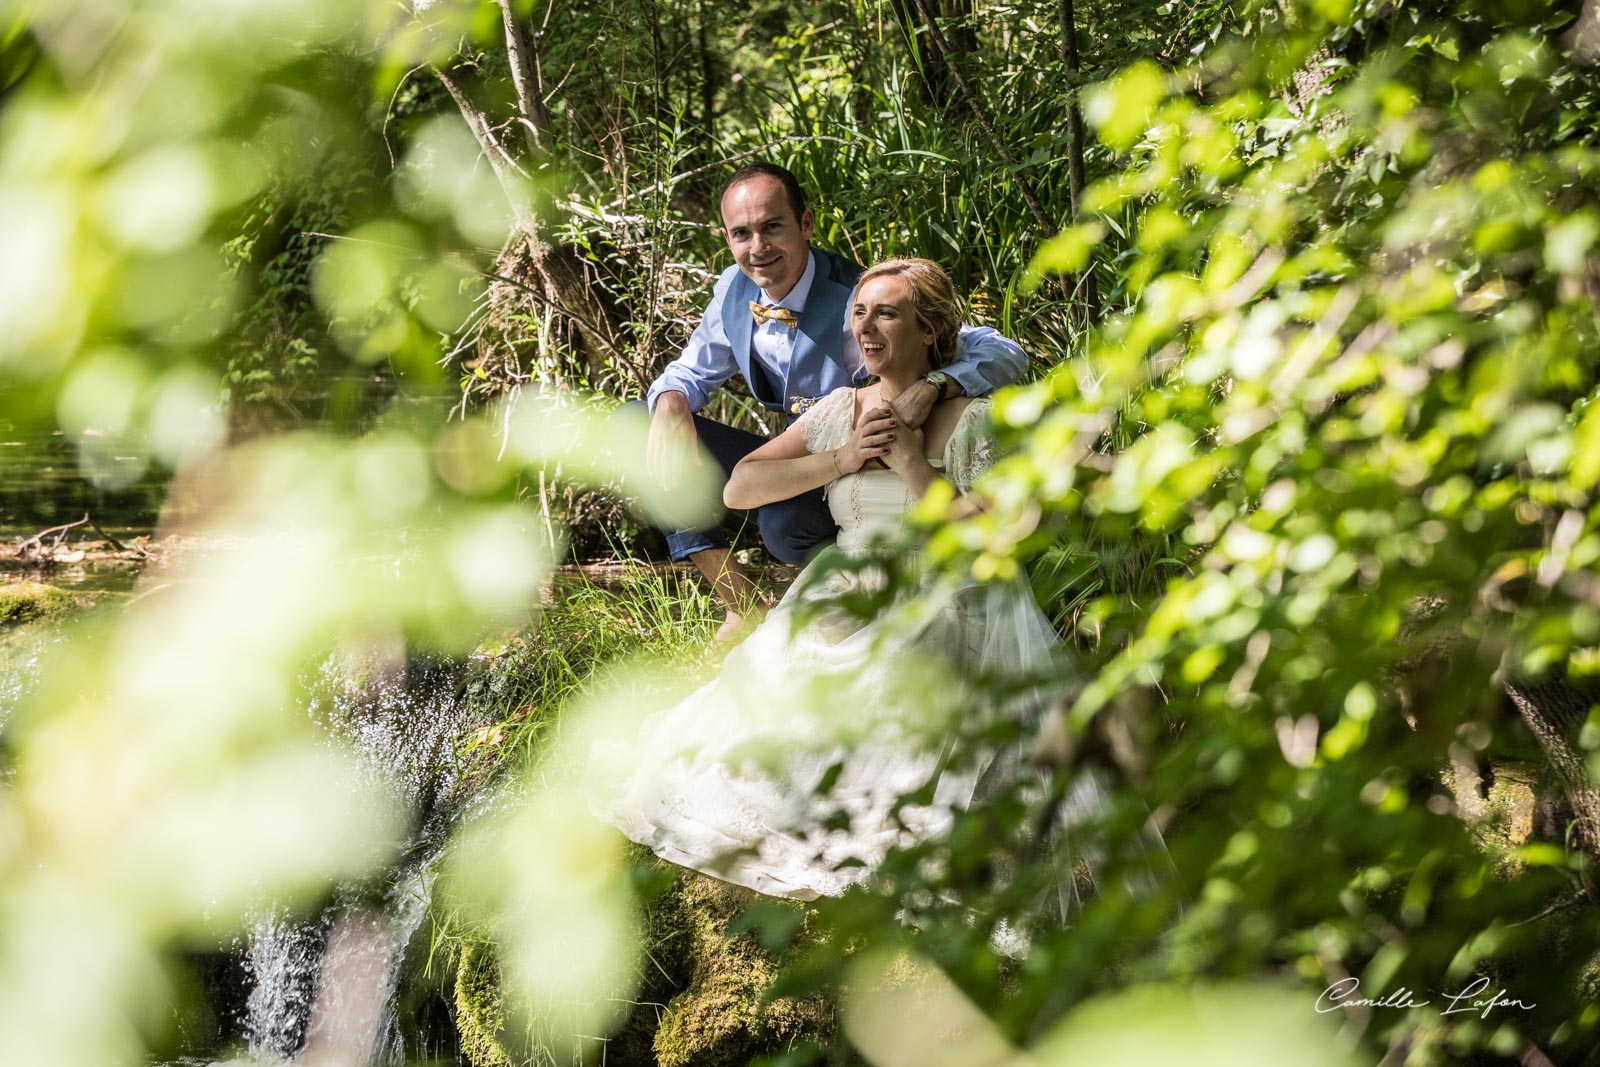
933 299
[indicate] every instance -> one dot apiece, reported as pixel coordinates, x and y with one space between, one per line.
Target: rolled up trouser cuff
683 544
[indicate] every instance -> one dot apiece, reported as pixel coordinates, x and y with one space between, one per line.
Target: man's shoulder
841 270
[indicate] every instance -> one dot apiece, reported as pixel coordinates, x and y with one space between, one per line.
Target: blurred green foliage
1346 381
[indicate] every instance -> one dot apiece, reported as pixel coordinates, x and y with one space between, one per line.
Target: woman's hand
871 438
904 454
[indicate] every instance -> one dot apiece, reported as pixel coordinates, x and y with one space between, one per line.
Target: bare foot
739 623
739 595
733 627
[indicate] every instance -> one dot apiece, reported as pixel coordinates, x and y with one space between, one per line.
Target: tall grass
585 627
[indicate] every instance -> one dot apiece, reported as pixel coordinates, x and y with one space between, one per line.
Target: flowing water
327 985
297 985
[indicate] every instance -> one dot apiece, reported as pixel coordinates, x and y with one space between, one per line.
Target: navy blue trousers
792 529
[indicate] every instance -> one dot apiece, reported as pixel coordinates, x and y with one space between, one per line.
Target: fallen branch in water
35 552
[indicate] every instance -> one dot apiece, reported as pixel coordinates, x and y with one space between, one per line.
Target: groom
780 317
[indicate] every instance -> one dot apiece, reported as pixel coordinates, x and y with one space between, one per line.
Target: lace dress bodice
872 502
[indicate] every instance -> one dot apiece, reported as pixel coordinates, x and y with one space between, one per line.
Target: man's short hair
784 176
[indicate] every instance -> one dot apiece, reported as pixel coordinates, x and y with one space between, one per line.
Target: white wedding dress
784 773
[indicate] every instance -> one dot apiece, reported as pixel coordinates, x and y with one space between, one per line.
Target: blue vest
816 363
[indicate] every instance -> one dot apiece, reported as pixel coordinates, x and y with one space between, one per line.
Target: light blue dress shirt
985 359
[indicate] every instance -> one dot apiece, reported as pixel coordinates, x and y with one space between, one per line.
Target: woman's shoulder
821 422
968 448
971 406
959 411
841 399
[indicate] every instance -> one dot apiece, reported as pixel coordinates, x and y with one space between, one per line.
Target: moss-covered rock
480 1009
701 995
31 601
1499 807
723 1018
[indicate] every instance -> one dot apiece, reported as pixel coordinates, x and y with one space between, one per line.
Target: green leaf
1120 109
1567 244
1065 253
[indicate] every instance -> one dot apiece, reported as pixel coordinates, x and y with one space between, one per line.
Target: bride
786 773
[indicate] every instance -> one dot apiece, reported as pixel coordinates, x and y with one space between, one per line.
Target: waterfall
282 958
325 987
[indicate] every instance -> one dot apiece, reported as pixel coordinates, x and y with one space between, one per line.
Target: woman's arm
915 470
783 468
904 456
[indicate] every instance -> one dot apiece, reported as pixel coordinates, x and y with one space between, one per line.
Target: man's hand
672 441
912 406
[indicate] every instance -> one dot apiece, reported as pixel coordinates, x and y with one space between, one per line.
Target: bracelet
834 455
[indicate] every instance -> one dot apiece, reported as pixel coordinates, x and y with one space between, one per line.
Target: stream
335 984
341 981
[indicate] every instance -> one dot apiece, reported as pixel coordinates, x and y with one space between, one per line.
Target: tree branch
505 168
1555 712
524 61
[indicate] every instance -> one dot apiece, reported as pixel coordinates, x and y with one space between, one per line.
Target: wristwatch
938 379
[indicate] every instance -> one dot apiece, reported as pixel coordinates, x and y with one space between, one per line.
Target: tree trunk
1069 59
969 95
1555 711
1584 37
933 73
530 270
526 80
708 75
557 281
1088 289
505 168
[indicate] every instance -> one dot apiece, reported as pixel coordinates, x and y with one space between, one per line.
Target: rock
720 1019
701 990
480 1010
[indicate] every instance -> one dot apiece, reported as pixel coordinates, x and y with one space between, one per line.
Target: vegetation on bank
31 601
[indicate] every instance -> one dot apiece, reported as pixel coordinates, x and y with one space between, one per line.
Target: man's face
770 245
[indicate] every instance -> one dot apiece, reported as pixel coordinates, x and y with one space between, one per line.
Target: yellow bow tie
763 313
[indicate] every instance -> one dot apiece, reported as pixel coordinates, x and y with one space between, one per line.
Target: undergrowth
586 629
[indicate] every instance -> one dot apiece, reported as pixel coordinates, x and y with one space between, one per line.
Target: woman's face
885 326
